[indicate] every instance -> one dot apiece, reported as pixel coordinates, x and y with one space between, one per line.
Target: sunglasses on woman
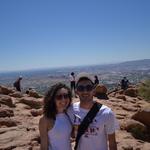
87 88
62 96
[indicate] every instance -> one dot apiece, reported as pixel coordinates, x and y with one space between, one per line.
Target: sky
59 33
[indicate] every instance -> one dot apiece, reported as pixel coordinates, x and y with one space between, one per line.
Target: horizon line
73 66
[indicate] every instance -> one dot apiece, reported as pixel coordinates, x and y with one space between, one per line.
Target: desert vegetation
144 90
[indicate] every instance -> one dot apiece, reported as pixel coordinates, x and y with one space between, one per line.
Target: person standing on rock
96 81
55 127
72 82
98 123
17 84
124 83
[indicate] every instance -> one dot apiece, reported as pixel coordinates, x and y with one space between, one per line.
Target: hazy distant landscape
109 74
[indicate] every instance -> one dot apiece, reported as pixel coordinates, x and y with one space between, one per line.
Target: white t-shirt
95 138
71 78
59 135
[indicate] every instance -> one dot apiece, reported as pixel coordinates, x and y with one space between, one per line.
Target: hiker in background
55 127
98 127
96 81
72 82
28 91
17 84
124 83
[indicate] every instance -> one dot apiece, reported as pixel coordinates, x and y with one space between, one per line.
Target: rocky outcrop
6 112
33 93
16 94
131 125
18 138
19 124
143 115
36 112
32 102
5 90
131 92
6 100
121 97
8 122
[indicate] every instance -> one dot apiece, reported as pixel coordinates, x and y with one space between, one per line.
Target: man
96 81
124 83
72 82
17 84
102 129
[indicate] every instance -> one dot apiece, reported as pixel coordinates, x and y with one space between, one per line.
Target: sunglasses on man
82 88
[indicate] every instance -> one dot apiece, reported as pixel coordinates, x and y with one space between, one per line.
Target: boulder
35 112
129 107
16 94
143 115
129 124
120 91
32 102
121 97
6 112
131 92
5 90
17 138
138 129
33 93
6 100
8 122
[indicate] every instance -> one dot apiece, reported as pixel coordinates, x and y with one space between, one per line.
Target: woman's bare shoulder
45 122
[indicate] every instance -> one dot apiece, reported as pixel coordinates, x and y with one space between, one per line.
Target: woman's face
62 100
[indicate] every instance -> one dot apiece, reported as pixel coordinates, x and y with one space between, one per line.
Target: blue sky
55 33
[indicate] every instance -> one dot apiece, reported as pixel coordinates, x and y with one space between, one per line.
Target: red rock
35 112
32 102
121 97
5 112
7 122
143 115
5 90
131 92
6 100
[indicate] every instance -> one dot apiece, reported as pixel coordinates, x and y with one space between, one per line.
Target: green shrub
144 90
139 134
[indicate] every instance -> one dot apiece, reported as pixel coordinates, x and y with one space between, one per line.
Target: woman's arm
43 133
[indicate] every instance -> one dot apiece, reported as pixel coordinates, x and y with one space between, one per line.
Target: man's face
85 91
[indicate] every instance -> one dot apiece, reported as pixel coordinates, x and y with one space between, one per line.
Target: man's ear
94 91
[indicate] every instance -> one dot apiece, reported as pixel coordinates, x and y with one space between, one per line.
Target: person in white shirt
54 126
100 134
72 82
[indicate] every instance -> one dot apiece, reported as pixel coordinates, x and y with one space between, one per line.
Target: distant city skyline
49 34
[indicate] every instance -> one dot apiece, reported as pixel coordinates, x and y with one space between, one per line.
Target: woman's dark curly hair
49 109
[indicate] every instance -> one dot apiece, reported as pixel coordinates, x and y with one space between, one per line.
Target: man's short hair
72 73
84 76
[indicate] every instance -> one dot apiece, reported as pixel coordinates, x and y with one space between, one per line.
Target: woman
55 127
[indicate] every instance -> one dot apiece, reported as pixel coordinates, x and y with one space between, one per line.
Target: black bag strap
86 121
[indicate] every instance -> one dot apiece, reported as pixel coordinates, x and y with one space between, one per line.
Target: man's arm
112 141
